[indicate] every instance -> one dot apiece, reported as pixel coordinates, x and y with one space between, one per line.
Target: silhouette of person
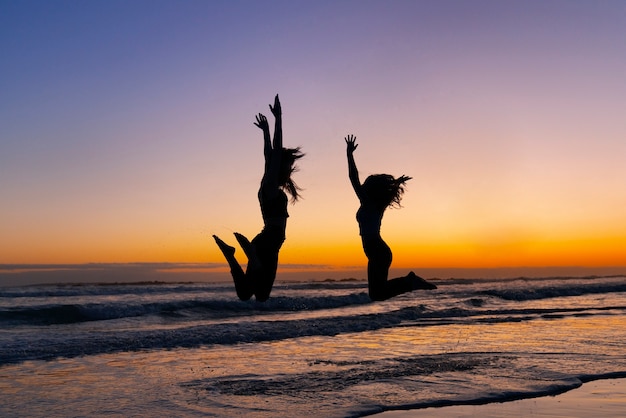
377 193
262 251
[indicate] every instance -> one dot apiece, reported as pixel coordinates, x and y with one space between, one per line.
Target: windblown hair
385 190
288 167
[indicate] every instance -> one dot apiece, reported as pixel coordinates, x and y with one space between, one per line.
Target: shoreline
12 275
604 398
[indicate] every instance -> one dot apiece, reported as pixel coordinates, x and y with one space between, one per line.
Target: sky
127 135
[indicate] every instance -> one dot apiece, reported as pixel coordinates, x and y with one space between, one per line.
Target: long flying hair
287 168
385 190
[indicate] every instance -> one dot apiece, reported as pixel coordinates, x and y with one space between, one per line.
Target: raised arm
261 122
278 128
273 151
353 173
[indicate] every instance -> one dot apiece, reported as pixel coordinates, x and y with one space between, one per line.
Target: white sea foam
323 348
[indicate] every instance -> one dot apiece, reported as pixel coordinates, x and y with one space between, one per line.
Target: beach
600 398
317 349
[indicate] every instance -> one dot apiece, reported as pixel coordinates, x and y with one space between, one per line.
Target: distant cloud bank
32 274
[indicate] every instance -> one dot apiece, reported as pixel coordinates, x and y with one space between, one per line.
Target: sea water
319 349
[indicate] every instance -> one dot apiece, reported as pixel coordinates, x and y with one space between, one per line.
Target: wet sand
598 399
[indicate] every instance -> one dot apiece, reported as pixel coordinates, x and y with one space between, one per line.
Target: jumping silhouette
262 251
377 193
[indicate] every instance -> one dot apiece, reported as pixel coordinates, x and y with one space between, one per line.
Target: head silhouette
384 190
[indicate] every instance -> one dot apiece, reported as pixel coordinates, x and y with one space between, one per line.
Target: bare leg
243 287
379 260
377 280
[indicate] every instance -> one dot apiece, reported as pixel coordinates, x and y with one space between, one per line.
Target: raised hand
261 122
351 145
276 109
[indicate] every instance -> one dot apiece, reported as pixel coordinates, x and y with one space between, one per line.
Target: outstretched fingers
261 121
351 143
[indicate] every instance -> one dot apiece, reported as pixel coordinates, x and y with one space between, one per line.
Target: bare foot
244 243
419 283
226 249
253 260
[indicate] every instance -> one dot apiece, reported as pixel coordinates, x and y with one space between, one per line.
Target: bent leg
267 246
376 280
243 286
264 280
379 260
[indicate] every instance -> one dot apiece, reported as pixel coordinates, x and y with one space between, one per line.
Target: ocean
315 349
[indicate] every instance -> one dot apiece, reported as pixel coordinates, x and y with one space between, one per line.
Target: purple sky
126 128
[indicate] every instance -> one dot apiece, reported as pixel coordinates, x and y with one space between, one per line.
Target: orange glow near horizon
589 251
512 163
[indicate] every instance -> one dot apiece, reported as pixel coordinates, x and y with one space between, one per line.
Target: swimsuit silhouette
262 251
376 194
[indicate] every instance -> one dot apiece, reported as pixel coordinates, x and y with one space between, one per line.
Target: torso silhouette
274 209
369 218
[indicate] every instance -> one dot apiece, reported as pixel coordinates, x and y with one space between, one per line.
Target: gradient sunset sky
126 128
